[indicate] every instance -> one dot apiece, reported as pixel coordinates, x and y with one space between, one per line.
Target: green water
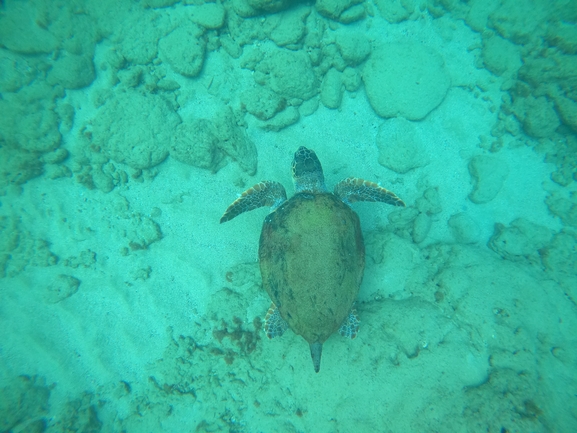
128 127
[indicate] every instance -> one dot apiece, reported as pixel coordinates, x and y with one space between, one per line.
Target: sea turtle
311 253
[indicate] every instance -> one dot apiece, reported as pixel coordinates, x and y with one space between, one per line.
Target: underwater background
128 127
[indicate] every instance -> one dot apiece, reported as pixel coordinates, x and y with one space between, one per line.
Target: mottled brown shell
312 259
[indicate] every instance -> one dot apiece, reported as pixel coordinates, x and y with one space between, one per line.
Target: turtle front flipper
350 326
274 324
353 189
264 193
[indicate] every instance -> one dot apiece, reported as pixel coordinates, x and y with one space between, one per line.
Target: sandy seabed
128 128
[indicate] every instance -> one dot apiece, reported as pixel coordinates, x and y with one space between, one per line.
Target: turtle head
307 171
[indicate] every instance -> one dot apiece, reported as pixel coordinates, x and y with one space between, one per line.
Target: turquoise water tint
128 126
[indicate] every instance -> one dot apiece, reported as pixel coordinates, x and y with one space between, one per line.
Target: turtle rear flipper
264 193
353 189
274 324
350 326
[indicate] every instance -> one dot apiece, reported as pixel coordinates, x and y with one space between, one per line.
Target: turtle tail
316 352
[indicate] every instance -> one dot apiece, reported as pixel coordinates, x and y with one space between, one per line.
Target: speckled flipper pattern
264 193
274 324
350 327
353 189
